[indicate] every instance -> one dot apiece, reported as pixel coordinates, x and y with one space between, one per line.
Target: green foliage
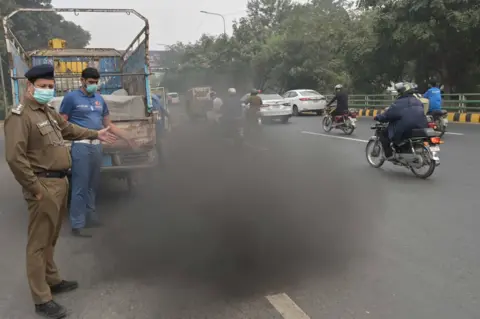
282 45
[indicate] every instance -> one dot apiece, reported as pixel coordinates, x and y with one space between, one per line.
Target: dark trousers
387 149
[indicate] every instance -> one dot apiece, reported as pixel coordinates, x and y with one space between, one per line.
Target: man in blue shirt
86 108
434 96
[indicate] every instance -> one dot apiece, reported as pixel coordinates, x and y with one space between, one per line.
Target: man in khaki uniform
39 159
255 103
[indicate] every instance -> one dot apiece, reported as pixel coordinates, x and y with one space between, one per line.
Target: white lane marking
286 307
452 133
335 136
258 148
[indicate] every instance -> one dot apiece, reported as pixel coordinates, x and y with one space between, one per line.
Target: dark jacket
232 107
342 102
404 115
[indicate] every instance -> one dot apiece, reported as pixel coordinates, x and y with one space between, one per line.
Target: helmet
254 92
232 91
338 87
414 88
404 88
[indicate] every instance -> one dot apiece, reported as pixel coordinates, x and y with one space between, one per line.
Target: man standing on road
39 159
87 108
254 102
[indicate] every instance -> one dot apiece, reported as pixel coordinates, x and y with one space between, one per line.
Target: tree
33 30
437 36
281 45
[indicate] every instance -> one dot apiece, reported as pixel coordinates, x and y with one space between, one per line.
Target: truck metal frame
18 56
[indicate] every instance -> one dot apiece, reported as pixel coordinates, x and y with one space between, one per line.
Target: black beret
42 71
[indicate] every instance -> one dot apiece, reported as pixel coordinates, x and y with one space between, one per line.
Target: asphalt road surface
295 226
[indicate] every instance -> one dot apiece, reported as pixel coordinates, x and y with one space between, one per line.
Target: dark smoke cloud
239 223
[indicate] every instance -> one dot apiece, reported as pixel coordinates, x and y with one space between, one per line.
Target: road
297 223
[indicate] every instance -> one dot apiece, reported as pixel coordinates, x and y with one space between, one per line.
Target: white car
306 101
173 98
274 107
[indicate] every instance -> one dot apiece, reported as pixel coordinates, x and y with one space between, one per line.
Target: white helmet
338 86
232 91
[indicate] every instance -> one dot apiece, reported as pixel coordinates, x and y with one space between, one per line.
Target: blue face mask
91 88
43 96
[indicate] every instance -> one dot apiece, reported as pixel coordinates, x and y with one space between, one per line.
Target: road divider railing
452 117
461 107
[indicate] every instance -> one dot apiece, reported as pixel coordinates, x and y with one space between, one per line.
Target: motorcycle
346 122
438 120
421 151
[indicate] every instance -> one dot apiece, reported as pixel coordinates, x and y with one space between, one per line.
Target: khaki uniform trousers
44 224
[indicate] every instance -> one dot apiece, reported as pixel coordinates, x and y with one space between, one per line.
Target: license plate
435 148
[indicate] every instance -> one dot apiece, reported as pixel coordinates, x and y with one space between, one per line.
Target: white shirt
217 104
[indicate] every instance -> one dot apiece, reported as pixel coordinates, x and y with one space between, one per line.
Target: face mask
91 88
43 96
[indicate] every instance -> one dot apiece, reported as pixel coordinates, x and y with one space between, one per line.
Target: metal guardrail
462 103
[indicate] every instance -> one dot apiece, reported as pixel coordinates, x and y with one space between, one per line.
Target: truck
124 84
198 102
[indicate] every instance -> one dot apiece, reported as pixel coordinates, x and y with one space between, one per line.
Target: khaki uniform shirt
34 142
254 101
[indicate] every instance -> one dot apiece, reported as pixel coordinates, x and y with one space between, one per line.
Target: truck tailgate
141 131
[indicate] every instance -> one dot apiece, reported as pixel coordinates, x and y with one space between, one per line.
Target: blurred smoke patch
239 223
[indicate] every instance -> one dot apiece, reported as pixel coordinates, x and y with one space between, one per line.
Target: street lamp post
221 16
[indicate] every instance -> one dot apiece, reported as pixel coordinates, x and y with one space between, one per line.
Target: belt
93 142
52 174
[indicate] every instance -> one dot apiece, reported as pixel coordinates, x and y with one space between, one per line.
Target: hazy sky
170 20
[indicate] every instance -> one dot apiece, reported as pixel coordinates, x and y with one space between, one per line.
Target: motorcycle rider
231 111
434 96
342 102
403 116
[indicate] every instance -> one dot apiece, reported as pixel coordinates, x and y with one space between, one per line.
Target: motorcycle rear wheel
428 161
349 130
374 145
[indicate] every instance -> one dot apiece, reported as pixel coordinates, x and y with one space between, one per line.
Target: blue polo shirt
434 96
84 110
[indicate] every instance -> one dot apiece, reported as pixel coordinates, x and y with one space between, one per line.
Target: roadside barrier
455 117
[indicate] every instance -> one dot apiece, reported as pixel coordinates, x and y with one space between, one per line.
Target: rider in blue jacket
434 96
404 115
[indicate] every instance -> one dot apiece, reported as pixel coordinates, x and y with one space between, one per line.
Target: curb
473 118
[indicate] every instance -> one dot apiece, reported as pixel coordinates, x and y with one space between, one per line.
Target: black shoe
51 309
64 286
94 224
78 232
